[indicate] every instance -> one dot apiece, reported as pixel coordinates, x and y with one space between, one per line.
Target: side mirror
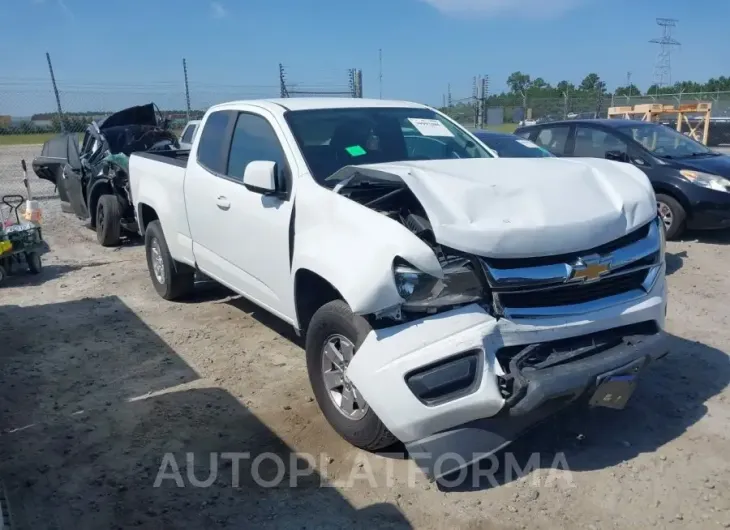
618 156
260 177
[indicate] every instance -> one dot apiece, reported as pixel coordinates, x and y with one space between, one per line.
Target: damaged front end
468 360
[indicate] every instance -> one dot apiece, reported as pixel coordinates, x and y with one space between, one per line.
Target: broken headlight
423 292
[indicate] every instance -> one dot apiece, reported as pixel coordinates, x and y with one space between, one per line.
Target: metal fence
30 106
514 108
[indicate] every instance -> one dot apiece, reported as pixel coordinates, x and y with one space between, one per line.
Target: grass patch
505 127
22 139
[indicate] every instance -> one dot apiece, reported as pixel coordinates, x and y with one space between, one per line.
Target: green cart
21 244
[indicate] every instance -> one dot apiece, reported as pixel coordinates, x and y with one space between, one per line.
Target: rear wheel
334 335
3 274
172 280
108 221
672 215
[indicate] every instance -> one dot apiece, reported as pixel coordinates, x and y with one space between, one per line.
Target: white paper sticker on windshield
528 143
428 127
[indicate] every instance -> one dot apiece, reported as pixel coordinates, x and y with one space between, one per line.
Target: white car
449 299
188 134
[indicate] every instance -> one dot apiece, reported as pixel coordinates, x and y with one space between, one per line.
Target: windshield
513 147
331 139
664 142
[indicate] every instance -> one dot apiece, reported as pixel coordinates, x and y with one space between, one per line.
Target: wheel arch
311 291
101 187
676 194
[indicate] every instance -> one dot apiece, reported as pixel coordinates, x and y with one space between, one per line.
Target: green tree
628 90
518 82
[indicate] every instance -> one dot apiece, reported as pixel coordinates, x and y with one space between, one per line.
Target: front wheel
672 215
333 337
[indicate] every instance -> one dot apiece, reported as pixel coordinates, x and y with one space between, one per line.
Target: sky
109 52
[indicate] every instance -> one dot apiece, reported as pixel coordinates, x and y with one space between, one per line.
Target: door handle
223 203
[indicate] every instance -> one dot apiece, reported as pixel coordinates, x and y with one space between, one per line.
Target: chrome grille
562 284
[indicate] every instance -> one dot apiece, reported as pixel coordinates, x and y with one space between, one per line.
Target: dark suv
691 181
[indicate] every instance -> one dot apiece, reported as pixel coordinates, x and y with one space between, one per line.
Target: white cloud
217 10
492 8
66 10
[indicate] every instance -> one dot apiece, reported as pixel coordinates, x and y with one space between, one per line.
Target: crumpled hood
514 208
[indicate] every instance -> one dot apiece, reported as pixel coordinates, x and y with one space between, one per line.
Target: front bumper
710 209
548 392
479 418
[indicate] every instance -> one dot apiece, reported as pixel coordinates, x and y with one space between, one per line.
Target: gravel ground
101 378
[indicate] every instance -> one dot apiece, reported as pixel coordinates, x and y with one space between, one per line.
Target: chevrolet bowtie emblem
590 268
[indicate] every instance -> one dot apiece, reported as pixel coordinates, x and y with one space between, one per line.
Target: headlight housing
706 180
423 292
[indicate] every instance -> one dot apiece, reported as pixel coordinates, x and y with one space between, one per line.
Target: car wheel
172 280
672 215
108 221
333 337
3 274
35 265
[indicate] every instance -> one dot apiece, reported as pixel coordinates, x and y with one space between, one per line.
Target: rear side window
187 136
553 139
211 151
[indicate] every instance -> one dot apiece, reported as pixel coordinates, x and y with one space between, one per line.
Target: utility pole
628 82
187 89
380 71
55 91
663 65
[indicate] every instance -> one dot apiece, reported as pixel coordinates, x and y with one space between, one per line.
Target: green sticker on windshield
355 150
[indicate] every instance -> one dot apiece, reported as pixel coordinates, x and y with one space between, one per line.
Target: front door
240 237
73 184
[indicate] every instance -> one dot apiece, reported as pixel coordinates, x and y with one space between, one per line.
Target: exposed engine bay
464 281
502 286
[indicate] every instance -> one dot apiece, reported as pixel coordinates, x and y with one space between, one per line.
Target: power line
663 65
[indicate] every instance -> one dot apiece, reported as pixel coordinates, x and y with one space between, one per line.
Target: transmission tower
663 66
283 91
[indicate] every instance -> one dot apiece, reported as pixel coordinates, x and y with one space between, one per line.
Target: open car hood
139 115
516 208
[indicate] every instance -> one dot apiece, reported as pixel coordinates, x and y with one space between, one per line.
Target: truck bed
162 175
175 157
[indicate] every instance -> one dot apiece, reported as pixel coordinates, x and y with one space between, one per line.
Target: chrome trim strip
560 273
593 305
566 285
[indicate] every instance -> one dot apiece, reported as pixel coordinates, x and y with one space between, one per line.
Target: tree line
591 95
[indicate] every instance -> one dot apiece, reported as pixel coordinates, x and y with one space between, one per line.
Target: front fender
353 248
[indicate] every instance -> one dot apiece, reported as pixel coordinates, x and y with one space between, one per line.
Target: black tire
677 212
3 274
108 221
33 259
178 278
335 317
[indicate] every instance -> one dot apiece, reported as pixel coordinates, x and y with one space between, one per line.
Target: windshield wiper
706 153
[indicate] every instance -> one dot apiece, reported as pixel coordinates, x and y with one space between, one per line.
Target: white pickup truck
450 299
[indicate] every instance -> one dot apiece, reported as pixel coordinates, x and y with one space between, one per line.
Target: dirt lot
101 378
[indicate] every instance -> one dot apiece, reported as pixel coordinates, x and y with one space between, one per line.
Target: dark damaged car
92 176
